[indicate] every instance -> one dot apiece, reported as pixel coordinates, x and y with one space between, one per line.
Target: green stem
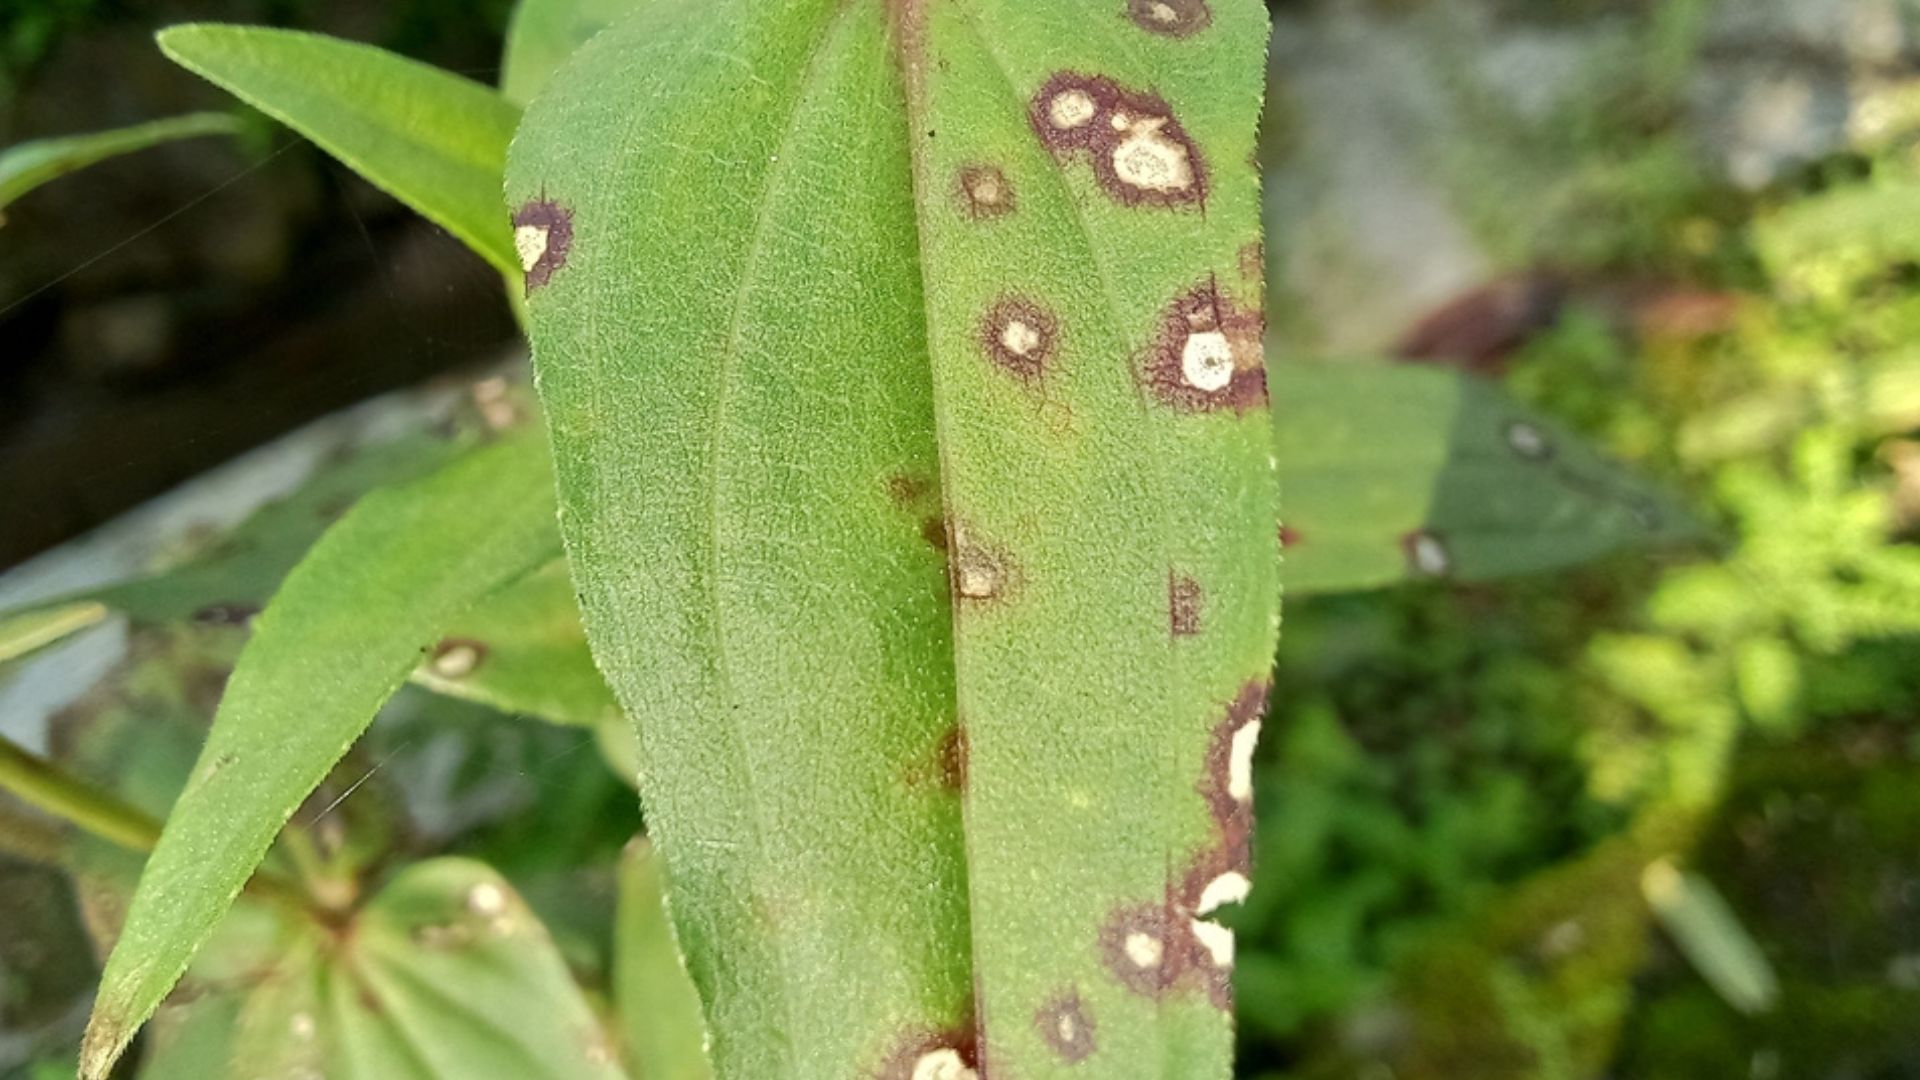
42 784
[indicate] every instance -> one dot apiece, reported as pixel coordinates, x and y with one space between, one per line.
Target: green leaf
446 975
522 650
1090 239
1397 472
1710 934
38 627
659 1007
746 520
432 139
339 637
544 33
766 302
25 166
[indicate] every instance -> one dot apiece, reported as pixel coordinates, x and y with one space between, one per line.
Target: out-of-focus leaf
522 650
446 975
544 33
1709 933
432 139
340 636
804 276
25 166
659 1007
38 627
1397 472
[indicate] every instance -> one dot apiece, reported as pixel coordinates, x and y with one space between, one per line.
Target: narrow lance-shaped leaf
338 638
430 138
1090 241
28 165
714 207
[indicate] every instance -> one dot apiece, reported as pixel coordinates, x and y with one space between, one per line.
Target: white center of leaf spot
1206 361
486 900
1229 888
943 1064
1217 939
1149 160
1430 555
1163 13
1144 949
456 661
1240 761
1019 338
530 241
1070 109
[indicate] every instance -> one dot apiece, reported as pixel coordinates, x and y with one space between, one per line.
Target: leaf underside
914 468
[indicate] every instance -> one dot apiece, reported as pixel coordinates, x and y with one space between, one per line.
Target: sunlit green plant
914 456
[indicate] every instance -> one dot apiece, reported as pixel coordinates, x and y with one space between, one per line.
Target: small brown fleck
1184 597
984 192
906 489
542 237
1141 156
1208 354
1020 337
1253 264
934 532
1172 18
1289 536
1065 1026
952 757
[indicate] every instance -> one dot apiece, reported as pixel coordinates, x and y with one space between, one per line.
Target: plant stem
42 784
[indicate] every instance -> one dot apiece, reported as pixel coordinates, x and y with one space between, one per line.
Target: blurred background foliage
1656 817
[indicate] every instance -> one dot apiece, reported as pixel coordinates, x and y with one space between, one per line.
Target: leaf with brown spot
820 245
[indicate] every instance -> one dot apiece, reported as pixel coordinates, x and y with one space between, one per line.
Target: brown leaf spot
1145 948
1427 554
984 192
906 489
934 532
951 755
1227 781
952 1054
980 573
542 237
1172 18
1289 536
1141 156
1066 1027
231 614
1184 597
1208 355
1020 337
457 658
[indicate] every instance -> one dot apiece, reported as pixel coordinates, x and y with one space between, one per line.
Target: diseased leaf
741 225
727 328
430 138
339 637
1402 472
446 975
522 650
1090 237
25 166
659 1008
544 33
